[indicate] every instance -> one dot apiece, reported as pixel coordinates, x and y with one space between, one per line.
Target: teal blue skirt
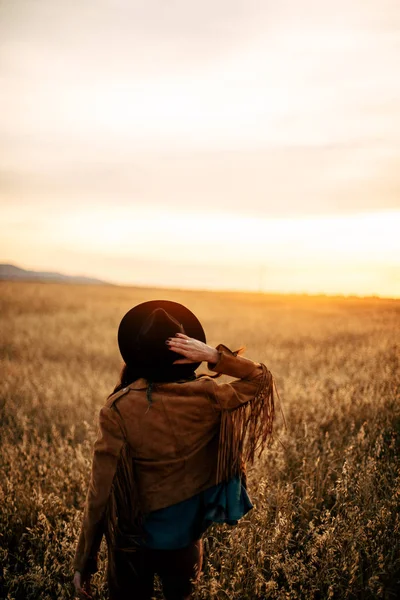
179 525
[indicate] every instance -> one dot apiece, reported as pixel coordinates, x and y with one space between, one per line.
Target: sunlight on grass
327 493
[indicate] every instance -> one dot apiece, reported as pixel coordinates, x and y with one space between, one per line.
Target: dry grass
327 492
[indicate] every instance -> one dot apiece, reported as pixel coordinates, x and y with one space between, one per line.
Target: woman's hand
82 586
193 350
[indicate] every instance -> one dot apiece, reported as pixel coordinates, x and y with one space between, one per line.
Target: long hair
128 375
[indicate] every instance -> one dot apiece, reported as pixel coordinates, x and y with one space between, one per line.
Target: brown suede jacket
174 440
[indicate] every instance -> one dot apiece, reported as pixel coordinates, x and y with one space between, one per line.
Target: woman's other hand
193 350
82 586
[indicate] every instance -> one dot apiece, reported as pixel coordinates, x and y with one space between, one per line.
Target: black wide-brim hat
144 329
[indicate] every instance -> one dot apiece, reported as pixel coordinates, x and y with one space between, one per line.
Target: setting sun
355 254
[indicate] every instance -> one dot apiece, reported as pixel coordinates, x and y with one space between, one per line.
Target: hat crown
150 341
157 328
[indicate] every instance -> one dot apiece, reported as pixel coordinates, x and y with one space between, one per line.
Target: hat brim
133 320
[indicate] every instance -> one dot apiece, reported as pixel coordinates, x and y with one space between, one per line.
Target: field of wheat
326 522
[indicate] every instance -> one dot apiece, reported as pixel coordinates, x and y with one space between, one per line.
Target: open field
327 492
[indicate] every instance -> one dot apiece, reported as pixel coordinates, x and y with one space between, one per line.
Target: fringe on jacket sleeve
245 431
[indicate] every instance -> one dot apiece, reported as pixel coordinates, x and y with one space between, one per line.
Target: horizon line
259 292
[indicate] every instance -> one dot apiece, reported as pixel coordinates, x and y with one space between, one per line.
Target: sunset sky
224 144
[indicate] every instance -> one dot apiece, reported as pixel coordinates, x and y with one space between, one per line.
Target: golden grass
327 492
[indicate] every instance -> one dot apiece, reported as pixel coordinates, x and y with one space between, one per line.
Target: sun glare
355 254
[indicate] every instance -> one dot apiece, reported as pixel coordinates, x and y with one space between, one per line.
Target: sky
225 144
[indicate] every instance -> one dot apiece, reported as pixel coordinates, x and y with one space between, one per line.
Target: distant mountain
11 272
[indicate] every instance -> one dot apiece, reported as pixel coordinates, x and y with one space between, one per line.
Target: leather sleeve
105 458
230 396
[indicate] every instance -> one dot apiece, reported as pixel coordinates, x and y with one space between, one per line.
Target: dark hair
130 373
127 375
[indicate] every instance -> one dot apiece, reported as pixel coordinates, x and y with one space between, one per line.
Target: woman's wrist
213 356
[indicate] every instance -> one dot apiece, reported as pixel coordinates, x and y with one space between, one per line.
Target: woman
169 457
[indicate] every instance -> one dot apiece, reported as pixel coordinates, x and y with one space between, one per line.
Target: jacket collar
142 384
139 384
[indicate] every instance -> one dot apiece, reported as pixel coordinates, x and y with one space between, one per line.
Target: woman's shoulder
114 397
